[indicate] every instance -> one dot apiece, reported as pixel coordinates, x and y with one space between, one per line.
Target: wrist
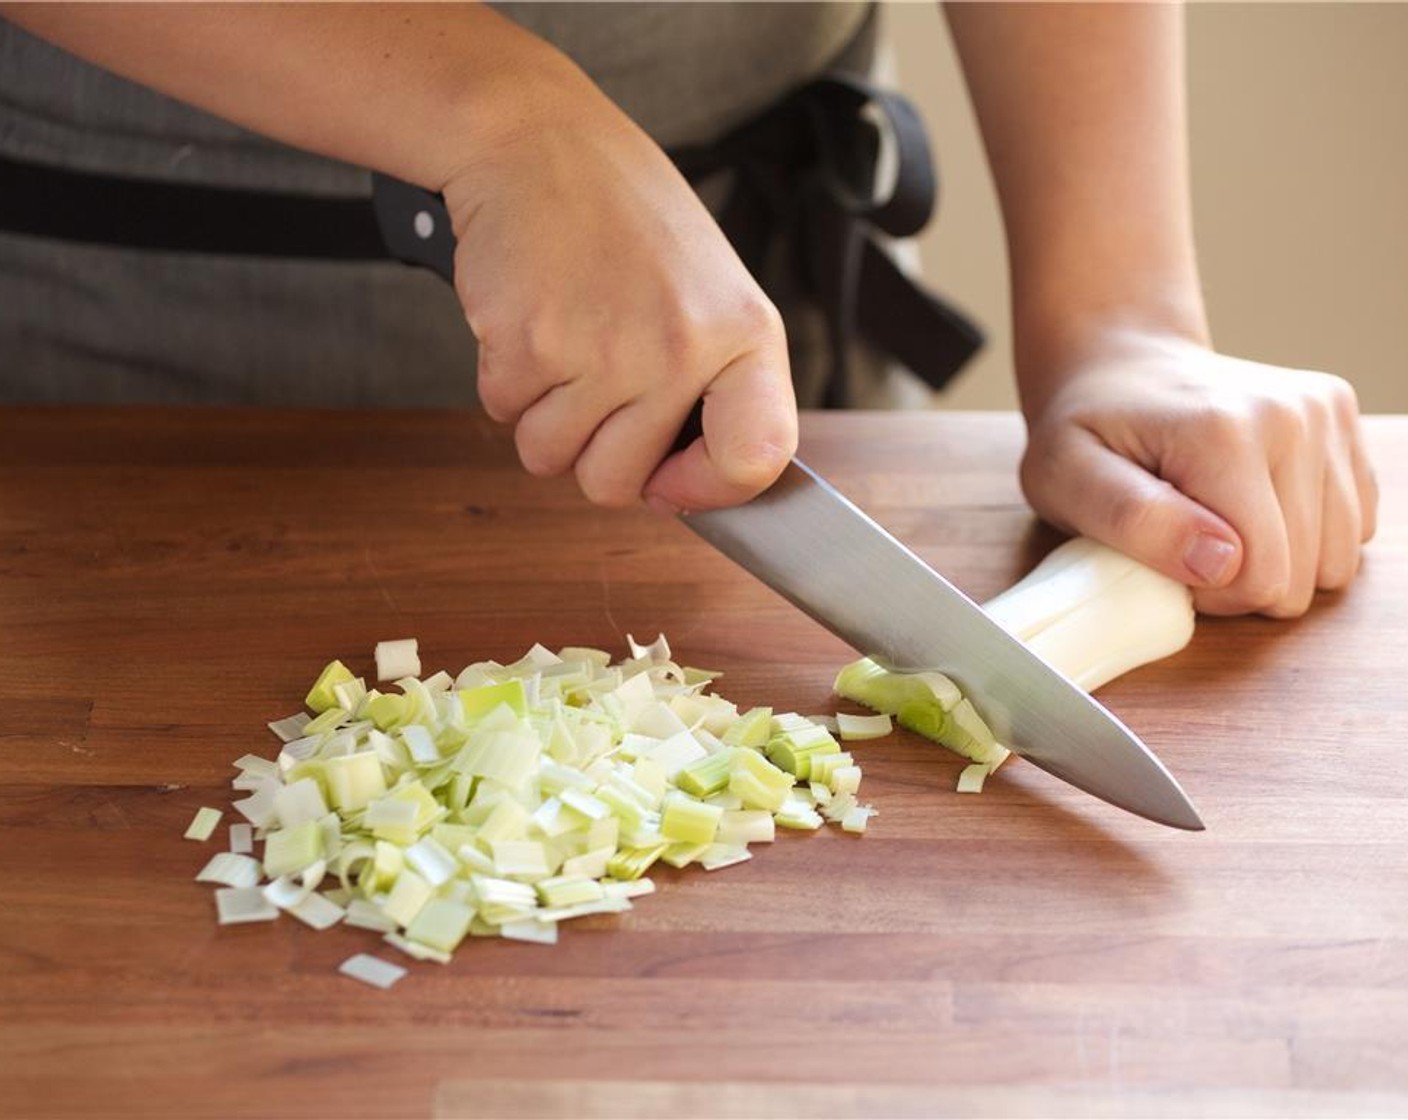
1054 341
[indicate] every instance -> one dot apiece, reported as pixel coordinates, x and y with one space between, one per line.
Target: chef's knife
805 540
810 544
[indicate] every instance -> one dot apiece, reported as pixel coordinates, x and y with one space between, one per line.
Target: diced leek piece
590 864
416 949
745 826
685 820
972 778
717 856
320 697
531 930
619 888
349 694
591 807
235 905
231 870
857 818
387 710
859 728
479 702
408 894
846 779
632 863
430 859
329 720
798 816
253 764
290 727
682 853
569 890
365 914
203 824
441 924
706 776
752 729
677 752
242 838
354 780
290 850
318 911
420 743
371 970
760 784
605 905
299 802
258 807
397 659
520 859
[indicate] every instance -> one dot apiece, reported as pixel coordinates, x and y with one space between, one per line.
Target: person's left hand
1248 482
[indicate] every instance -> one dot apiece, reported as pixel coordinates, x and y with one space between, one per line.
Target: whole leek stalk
1088 611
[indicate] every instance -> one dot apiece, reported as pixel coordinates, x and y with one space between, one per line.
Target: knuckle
753 465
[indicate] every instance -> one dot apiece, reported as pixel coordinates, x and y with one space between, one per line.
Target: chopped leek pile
510 798
1088 611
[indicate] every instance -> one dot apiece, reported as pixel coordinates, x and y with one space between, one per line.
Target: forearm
1082 112
405 89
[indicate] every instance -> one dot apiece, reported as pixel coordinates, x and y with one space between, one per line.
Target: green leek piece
441 924
758 782
320 697
387 710
824 766
288 851
408 894
632 863
329 720
203 824
707 776
752 729
682 853
569 890
354 780
402 825
792 750
479 702
927 703
685 820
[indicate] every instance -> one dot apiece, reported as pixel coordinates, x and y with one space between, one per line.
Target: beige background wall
1299 132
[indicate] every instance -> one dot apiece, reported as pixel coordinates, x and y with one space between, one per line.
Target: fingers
750 433
1080 484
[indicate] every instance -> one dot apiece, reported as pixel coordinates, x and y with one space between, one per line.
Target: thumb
750 433
1087 488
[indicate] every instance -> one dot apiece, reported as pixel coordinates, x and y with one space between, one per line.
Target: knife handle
415 225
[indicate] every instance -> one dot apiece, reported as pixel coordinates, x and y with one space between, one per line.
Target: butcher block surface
172 580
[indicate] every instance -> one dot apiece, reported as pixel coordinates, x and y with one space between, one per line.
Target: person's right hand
606 302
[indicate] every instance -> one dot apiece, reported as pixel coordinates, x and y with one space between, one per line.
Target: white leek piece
396 659
371 970
852 727
235 905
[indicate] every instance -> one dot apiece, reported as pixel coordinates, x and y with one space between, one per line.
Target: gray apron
107 325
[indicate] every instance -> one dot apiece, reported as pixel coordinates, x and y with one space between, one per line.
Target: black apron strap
803 185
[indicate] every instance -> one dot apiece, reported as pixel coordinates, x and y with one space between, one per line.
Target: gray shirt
101 324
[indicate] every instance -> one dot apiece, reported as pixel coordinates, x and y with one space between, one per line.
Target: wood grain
170 580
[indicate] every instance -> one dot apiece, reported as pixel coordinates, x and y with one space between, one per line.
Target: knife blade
808 542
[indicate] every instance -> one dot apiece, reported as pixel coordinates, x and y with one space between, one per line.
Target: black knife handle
415 225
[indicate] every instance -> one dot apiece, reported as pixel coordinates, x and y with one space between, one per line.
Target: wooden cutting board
170 581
